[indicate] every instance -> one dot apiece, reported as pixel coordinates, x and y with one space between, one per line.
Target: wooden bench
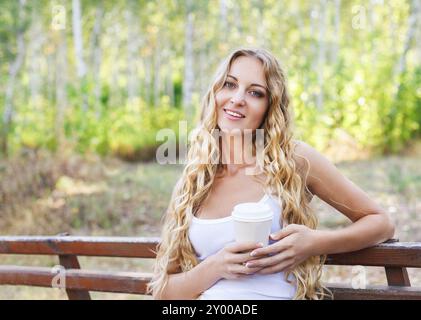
394 256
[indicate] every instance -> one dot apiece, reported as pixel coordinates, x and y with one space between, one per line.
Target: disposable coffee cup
252 222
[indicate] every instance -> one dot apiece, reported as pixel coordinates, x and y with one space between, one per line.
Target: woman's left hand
295 244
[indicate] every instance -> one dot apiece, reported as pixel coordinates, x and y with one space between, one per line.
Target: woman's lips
230 117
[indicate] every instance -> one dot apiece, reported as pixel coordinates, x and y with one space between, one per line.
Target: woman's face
244 93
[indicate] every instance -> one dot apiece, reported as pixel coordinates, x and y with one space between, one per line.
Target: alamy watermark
58 17
240 140
359 20
359 277
59 280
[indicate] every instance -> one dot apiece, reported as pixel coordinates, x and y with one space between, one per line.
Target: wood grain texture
394 256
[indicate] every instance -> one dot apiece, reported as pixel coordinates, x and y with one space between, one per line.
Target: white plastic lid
252 212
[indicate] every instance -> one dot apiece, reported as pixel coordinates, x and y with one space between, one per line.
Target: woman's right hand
231 260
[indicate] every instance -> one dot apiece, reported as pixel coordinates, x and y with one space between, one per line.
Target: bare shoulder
309 161
330 185
304 154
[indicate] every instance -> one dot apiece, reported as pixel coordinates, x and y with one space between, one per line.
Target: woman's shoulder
305 154
302 154
311 162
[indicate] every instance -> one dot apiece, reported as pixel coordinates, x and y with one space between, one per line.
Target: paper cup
252 222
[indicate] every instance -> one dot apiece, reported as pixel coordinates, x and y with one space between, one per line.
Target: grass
108 197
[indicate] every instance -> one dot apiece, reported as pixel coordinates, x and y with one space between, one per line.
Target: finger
237 276
283 232
271 249
276 268
243 246
241 258
242 269
269 261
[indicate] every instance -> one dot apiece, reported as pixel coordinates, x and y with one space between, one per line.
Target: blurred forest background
86 85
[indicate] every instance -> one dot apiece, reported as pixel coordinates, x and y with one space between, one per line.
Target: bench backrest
394 256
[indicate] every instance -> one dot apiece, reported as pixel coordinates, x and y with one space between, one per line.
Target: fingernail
260 244
249 265
252 253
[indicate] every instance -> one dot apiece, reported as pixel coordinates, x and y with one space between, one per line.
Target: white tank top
208 236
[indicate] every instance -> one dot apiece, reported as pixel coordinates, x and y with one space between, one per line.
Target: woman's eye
229 85
256 94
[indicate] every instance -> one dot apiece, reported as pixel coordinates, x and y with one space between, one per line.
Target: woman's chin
230 128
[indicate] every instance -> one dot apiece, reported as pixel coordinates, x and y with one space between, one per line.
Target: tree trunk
337 37
96 56
15 66
321 57
169 81
238 22
61 82
412 27
262 39
223 20
314 13
114 52
36 41
202 70
77 38
188 61
132 46
78 44
147 61
157 78
418 39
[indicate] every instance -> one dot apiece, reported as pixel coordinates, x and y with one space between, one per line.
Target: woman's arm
371 224
296 243
227 263
189 285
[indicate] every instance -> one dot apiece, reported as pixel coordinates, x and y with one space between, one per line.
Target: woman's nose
238 98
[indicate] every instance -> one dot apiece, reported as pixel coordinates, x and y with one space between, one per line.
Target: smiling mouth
233 113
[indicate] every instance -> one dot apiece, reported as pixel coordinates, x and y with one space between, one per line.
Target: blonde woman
198 257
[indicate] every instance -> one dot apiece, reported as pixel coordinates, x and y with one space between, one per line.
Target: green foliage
133 130
128 132
403 118
343 81
34 127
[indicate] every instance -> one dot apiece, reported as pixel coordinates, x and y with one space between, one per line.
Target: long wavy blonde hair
175 252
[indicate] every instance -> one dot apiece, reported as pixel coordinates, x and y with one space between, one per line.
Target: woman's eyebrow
253 84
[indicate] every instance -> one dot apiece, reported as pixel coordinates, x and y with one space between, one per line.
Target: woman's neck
236 154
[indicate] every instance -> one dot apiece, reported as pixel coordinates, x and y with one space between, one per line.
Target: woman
197 256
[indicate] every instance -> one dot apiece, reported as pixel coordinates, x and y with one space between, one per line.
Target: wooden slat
105 281
135 283
71 262
129 247
397 276
394 256
387 254
398 254
340 292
